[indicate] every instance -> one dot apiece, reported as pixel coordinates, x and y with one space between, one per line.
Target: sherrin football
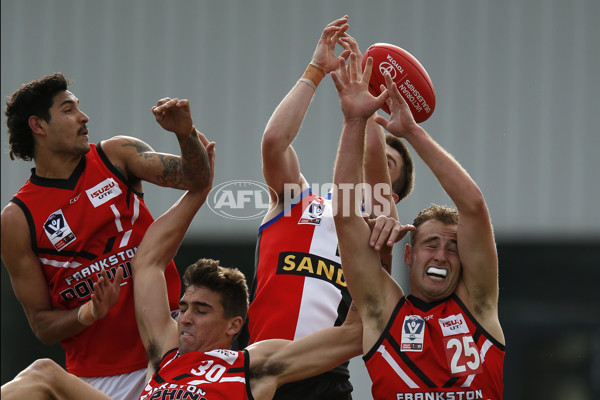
411 78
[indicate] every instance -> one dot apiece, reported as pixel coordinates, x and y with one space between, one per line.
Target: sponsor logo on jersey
74 199
229 356
58 231
103 192
313 213
413 333
310 265
453 325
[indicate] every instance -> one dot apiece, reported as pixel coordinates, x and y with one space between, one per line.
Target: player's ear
36 125
235 325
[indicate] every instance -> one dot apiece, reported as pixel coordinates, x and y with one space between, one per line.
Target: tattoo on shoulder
140 146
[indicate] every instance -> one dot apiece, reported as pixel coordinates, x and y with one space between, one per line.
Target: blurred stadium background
517 103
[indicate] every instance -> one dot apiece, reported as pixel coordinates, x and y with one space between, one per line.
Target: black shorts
321 387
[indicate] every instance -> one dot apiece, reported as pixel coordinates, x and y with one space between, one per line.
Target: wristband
313 73
316 64
308 82
84 314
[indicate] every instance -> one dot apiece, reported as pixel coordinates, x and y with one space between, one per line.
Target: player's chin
186 343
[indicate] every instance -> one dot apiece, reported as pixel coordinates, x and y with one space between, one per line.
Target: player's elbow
476 203
41 330
272 141
44 335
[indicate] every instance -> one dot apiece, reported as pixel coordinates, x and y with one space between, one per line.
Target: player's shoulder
119 148
12 213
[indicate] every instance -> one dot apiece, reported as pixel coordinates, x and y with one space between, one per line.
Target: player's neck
56 167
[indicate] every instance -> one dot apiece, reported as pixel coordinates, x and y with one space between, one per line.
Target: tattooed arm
137 161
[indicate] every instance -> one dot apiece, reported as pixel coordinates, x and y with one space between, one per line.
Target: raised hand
324 54
174 115
401 120
352 85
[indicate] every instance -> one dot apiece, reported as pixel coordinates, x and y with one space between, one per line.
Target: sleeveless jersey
214 375
435 351
78 226
298 286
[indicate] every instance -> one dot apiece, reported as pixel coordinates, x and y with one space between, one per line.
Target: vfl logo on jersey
313 213
413 333
453 325
58 231
304 264
103 192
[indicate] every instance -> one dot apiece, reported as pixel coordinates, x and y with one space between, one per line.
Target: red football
411 78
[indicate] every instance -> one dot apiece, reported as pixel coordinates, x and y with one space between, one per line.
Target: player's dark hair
32 99
229 282
444 214
406 181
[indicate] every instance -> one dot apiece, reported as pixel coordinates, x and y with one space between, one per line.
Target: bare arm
379 199
275 362
139 162
161 241
29 283
478 287
45 379
373 290
280 163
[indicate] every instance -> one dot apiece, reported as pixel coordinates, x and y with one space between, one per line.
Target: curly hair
32 99
402 186
446 215
229 282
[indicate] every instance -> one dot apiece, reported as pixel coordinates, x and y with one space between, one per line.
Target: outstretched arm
280 163
276 362
478 287
378 199
373 290
139 162
161 241
45 379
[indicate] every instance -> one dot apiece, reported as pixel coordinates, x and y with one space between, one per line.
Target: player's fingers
386 229
399 232
376 229
337 82
339 21
342 71
381 120
370 222
393 88
345 54
183 103
162 101
368 68
99 288
353 67
119 276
